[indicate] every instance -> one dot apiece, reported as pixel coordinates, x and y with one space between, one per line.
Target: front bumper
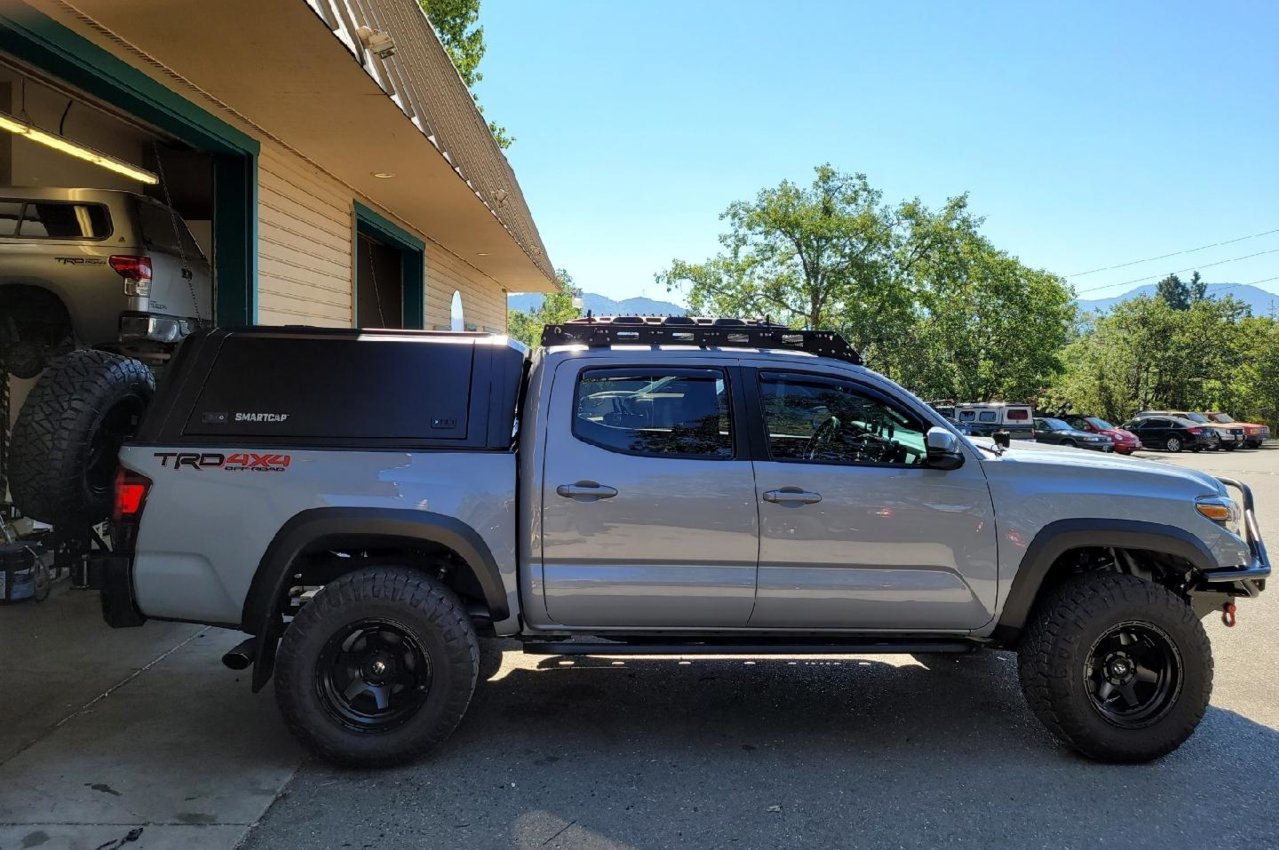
1250 579
112 576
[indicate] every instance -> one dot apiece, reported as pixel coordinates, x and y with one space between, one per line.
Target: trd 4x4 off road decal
237 462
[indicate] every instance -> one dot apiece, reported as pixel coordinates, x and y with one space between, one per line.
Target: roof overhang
279 67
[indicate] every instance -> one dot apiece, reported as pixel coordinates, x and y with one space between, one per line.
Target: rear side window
987 416
163 231
1017 414
657 412
54 220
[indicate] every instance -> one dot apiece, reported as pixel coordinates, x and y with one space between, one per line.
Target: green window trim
412 261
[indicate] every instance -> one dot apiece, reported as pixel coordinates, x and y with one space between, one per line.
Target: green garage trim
412 259
43 43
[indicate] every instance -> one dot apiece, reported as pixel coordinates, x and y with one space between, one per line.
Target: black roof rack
696 330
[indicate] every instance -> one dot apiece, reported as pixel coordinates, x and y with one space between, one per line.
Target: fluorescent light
110 163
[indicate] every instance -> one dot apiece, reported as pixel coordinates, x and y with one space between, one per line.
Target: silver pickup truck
372 507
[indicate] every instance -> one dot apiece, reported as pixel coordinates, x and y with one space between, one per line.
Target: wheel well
324 561
1171 571
35 311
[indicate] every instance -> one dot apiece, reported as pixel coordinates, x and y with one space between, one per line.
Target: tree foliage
457 24
925 297
1179 295
1162 353
556 307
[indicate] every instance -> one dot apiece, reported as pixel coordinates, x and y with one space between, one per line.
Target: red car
1126 442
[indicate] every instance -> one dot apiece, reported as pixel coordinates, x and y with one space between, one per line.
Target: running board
789 648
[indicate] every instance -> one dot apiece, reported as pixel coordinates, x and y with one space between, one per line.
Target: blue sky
1087 134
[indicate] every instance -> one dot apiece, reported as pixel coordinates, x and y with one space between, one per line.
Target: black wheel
1230 447
1068 443
378 668
64 449
1116 667
1173 444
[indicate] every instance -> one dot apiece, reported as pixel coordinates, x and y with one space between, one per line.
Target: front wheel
1231 447
1070 444
1173 444
1116 667
378 668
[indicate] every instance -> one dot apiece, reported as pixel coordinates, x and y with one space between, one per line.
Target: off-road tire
1173 444
65 443
437 620
1054 650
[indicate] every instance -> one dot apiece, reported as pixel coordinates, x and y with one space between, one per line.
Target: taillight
136 272
1195 430
130 494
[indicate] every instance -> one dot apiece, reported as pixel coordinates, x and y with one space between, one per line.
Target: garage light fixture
383 175
110 163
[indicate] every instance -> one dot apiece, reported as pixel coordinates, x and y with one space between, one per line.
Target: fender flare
311 528
1057 538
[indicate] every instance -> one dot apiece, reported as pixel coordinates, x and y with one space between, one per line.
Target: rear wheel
378 668
1116 667
1068 443
1173 444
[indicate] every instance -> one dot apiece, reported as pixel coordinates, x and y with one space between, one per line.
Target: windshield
1099 424
1051 424
1223 417
1196 417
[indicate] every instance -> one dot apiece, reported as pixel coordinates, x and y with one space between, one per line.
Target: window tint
987 416
966 415
830 421
53 220
10 215
159 233
677 412
1017 414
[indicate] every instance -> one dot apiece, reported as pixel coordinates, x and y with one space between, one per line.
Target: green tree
457 24
921 293
1179 294
556 307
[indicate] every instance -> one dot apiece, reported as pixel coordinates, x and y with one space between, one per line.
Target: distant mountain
601 305
1261 301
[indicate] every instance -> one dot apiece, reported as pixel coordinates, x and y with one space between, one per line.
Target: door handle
792 496
587 489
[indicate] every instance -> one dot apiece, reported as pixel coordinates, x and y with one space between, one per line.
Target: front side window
662 413
831 421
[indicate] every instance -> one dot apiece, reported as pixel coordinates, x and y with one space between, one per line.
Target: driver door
855 532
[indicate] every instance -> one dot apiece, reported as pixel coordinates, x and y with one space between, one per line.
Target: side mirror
943 449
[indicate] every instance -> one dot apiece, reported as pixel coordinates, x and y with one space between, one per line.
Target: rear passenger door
648 497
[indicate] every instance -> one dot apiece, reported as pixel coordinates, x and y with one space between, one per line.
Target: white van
986 417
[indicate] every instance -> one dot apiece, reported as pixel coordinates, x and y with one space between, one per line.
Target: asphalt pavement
877 751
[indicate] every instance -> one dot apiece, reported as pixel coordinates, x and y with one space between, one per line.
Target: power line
1178 271
1173 254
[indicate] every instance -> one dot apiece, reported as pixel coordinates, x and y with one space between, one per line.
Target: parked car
1049 429
965 428
1254 433
985 418
600 498
1126 442
1173 433
1231 436
100 285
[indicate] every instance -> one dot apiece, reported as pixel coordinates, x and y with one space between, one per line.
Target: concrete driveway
881 751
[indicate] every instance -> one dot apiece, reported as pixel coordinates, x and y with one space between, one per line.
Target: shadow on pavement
781 753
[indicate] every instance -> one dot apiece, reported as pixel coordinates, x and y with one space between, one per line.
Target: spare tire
63 453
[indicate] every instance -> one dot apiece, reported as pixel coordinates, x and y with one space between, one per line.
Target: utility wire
1173 254
1178 271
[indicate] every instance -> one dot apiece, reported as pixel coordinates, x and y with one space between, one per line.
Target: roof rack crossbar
701 331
